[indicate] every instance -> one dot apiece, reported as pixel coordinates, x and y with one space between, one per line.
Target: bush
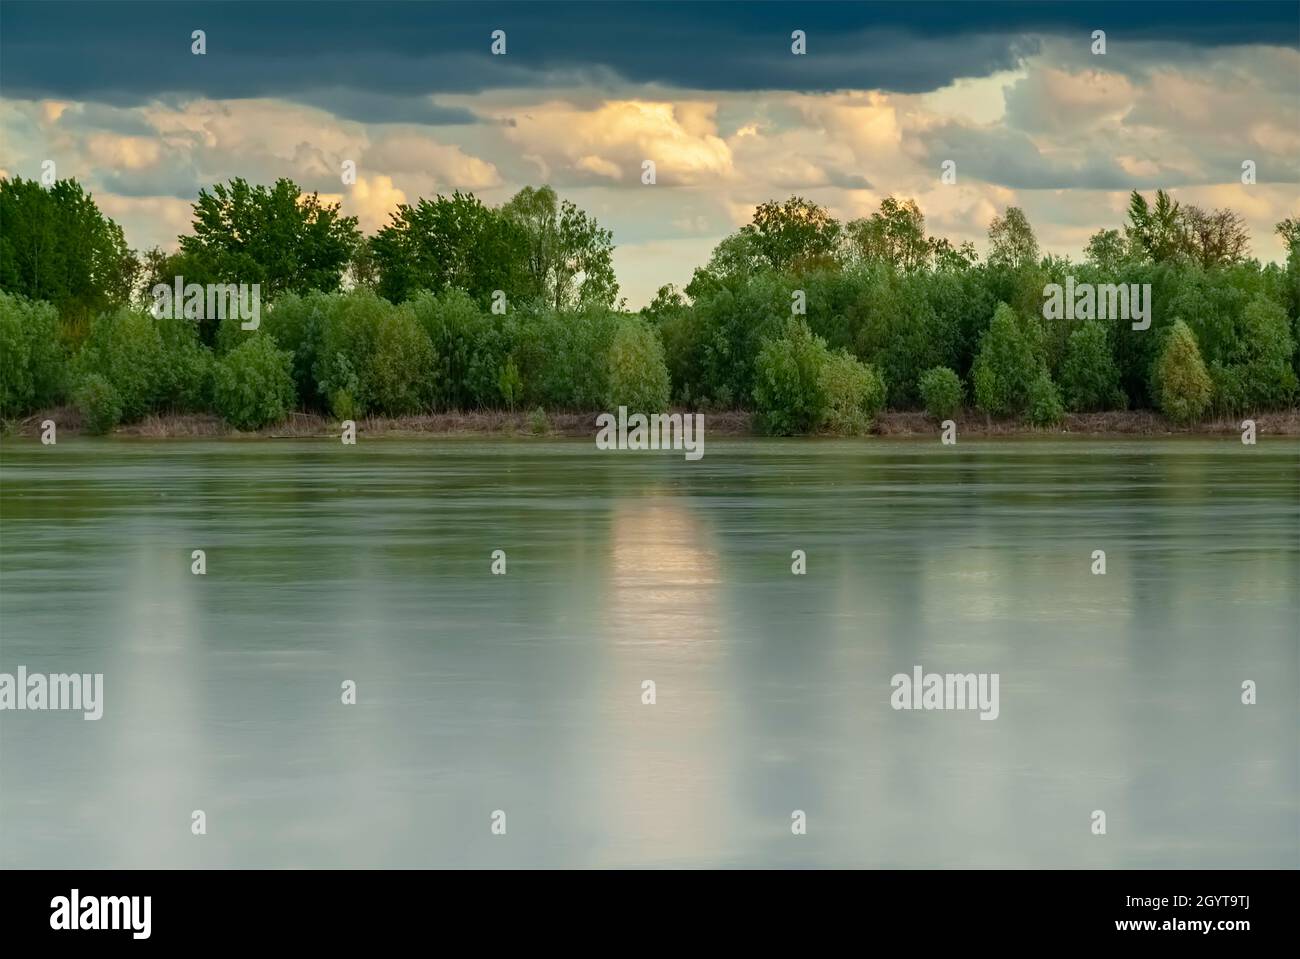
637 374
101 407
941 392
853 393
538 422
186 383
788 384
470 346
347 340
1006 367
1179 382
32 360
126 348
559 357
296 324
373 357
1044 406
253 384
733 322
399 376
1258 373
510 383
1089 375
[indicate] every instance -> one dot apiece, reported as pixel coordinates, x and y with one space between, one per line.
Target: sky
1011 93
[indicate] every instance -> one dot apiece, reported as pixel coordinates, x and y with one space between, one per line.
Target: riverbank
725 423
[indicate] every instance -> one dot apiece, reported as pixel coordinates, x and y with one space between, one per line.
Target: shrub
32 360
510 383
538 422
1006 366
399 374
100 405
559 357
941 392
347 340
1044 406
1179 382
373 357
186 383
1258 373
1089 375
126 348
296 324
788 385
853 393
637 374
733 322
253 384
470 346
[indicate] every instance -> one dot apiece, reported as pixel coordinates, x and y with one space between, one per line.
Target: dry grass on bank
726 423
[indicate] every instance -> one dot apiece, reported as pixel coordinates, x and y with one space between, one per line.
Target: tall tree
57 246
569 256
278 236
1011 240
1155 232
797 234
1215 238
450 242
895 235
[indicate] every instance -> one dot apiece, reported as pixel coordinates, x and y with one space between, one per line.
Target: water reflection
523 692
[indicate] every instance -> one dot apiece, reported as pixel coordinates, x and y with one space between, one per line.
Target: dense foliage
813 324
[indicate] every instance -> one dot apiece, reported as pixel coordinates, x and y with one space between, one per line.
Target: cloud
389 54
612 141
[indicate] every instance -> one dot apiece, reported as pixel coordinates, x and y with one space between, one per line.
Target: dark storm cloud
382 61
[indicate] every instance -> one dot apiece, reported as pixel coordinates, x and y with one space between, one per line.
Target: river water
523 693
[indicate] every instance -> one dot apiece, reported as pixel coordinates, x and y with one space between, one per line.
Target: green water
523 692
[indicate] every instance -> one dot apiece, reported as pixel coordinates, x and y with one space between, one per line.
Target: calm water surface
523 692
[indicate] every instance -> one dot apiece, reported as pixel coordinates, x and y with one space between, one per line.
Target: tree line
811 323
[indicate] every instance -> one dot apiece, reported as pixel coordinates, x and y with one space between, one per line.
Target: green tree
373 358
1044 401
941 392
789 392
1155 232
1006 366
253 384
894 235
57 246
1256 371
638 376
470 345
569 256
1180 384
795 235
1106 250
853 393
277 236
449 243
99 403
126 348
1089 375
32 357
1011 240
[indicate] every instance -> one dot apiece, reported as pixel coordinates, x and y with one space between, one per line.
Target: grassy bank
726 423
